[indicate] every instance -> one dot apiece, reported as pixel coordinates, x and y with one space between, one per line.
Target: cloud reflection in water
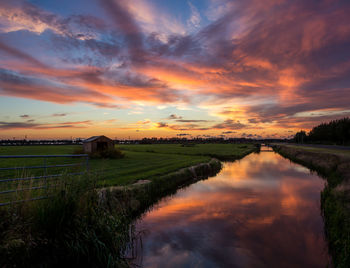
262 211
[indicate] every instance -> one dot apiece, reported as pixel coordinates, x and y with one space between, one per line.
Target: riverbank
134 199
85 223
263 203
335 198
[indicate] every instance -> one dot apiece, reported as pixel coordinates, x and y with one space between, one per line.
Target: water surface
261 211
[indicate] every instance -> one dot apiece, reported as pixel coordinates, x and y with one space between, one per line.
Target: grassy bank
134 199
335 198
68 229
141 165
334 151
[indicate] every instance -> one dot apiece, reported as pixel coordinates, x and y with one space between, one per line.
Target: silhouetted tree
335 132
300 137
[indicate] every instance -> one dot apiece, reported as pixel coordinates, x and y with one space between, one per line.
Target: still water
261 211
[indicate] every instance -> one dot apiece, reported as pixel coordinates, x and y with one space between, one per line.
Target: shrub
68 229
113 153
79 150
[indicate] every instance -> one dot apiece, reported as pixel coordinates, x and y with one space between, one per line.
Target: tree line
333 132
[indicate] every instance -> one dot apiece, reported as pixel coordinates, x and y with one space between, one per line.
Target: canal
261 211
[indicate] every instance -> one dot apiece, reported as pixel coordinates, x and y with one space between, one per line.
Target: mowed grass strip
322 150
214 150
134 166
141 165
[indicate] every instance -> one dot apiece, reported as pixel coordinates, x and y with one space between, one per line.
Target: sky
163 68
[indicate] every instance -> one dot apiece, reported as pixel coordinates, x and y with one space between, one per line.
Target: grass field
213 150
141 165
140 162
134 166
21 163
321 150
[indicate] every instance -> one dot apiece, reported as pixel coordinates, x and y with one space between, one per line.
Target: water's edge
134 200
262 211
335 198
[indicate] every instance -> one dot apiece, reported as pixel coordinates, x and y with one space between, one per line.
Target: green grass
140 165
140 162
134 166
322 150
213 150
69 229
26 162
36 150
336 215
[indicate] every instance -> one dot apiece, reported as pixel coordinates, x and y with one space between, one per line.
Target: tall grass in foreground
336 214
68 229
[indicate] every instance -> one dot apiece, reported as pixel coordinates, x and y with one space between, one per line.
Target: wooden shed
97 144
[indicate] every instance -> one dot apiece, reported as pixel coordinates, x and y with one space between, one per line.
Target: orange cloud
256 63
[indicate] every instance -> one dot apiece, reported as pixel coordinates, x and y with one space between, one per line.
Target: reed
69 228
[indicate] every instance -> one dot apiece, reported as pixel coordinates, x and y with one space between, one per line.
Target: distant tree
300 137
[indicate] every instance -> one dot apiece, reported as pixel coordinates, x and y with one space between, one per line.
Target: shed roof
95 138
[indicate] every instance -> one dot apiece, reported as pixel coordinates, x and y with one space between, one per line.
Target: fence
43 178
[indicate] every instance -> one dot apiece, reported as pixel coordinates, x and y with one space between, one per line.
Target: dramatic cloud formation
271 66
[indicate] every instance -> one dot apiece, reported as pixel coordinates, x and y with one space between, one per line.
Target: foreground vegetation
68 229
335 198
85 223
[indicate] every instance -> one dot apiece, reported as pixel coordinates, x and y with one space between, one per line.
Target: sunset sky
157 68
